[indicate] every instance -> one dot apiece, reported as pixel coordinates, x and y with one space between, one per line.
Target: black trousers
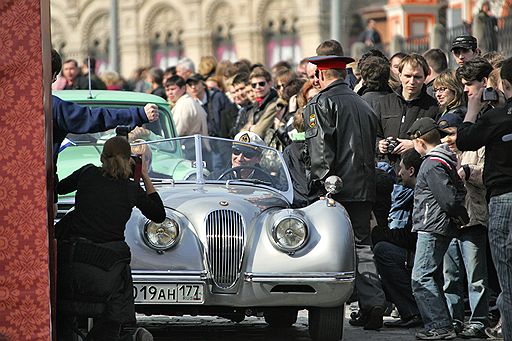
368 285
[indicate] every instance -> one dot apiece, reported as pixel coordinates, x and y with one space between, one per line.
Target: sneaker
473 330
410 322
436 334
495 333
142 334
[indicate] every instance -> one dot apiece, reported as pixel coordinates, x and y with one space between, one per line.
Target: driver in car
245 158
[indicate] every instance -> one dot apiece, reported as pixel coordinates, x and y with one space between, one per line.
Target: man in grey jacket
438 210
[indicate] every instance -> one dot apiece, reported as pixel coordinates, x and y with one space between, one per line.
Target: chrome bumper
306 277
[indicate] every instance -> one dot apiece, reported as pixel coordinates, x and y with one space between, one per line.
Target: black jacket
396 115
489 130
340 139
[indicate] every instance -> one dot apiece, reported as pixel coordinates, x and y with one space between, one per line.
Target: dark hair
157 74
414 60
175 80
56 63
70 61
411 158
436 59
329 47
92 63
292 88
240 78
506 70
170 70
284 76
400 55
283 64
375 73
474 70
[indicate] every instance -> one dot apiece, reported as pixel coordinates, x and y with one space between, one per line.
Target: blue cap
449 120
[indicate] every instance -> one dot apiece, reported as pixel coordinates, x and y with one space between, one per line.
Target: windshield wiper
252 181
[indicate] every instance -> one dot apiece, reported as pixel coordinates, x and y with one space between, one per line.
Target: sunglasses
261 84
279 86
246 152
317 73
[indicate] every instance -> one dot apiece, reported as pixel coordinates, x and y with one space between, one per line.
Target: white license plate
168 293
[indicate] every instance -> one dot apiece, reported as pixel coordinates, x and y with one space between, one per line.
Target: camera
122 131
392 144
136 168
489 95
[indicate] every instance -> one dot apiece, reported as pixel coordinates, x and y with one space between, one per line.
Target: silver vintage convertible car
232 246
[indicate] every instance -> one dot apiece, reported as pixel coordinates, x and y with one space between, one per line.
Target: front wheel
326 324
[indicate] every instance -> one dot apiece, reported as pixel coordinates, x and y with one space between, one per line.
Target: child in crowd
438 211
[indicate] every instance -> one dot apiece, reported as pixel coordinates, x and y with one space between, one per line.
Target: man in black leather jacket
340 140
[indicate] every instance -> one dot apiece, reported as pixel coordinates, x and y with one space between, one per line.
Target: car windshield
214 160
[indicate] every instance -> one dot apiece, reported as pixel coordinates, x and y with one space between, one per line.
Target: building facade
159 32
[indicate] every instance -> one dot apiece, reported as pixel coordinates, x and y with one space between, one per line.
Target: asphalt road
204 328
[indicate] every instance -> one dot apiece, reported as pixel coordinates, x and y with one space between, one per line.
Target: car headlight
162 236
290 233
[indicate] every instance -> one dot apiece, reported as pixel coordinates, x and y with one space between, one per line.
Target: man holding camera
492 128
397 111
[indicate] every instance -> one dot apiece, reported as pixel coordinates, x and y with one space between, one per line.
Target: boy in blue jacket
438 211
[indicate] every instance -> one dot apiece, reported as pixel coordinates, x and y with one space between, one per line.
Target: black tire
326 324
281 318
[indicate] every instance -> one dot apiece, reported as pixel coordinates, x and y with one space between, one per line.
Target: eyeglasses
442 89
246 152
261 84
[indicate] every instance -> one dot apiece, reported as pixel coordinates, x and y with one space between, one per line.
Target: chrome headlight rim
284 247
168 220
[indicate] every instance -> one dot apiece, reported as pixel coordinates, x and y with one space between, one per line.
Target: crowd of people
423 150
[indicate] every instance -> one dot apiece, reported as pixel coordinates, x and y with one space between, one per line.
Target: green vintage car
80 149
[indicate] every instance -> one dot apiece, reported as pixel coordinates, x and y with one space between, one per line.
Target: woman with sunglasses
449 93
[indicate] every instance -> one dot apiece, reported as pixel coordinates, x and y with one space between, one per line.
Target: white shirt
189 117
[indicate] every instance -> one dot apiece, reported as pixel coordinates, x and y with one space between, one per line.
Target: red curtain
24 255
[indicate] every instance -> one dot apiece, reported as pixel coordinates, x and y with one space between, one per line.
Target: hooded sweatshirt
439 194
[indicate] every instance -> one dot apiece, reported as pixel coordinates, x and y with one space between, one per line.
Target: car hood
190 199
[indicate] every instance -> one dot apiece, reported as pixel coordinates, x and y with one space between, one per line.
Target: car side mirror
333 184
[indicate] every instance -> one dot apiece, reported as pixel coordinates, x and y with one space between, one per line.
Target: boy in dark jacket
438 210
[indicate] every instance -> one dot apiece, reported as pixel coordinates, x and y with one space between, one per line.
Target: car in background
81 149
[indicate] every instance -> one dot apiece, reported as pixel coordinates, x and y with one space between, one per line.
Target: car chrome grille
225 237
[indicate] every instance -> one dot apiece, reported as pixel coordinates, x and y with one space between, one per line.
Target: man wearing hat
491 129
464 48
340 139
438 211
466 253
246 157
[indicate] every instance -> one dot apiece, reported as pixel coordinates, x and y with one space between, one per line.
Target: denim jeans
427 280
500 239
396 278
467 251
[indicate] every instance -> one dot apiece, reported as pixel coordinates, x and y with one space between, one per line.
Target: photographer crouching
93 258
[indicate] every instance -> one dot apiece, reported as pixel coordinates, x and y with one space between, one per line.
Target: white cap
249 137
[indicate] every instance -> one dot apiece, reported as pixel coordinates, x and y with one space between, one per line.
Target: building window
223 45
99 50
282 42
166 49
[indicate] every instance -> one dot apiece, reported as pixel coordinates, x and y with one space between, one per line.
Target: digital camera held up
489 95
392 144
